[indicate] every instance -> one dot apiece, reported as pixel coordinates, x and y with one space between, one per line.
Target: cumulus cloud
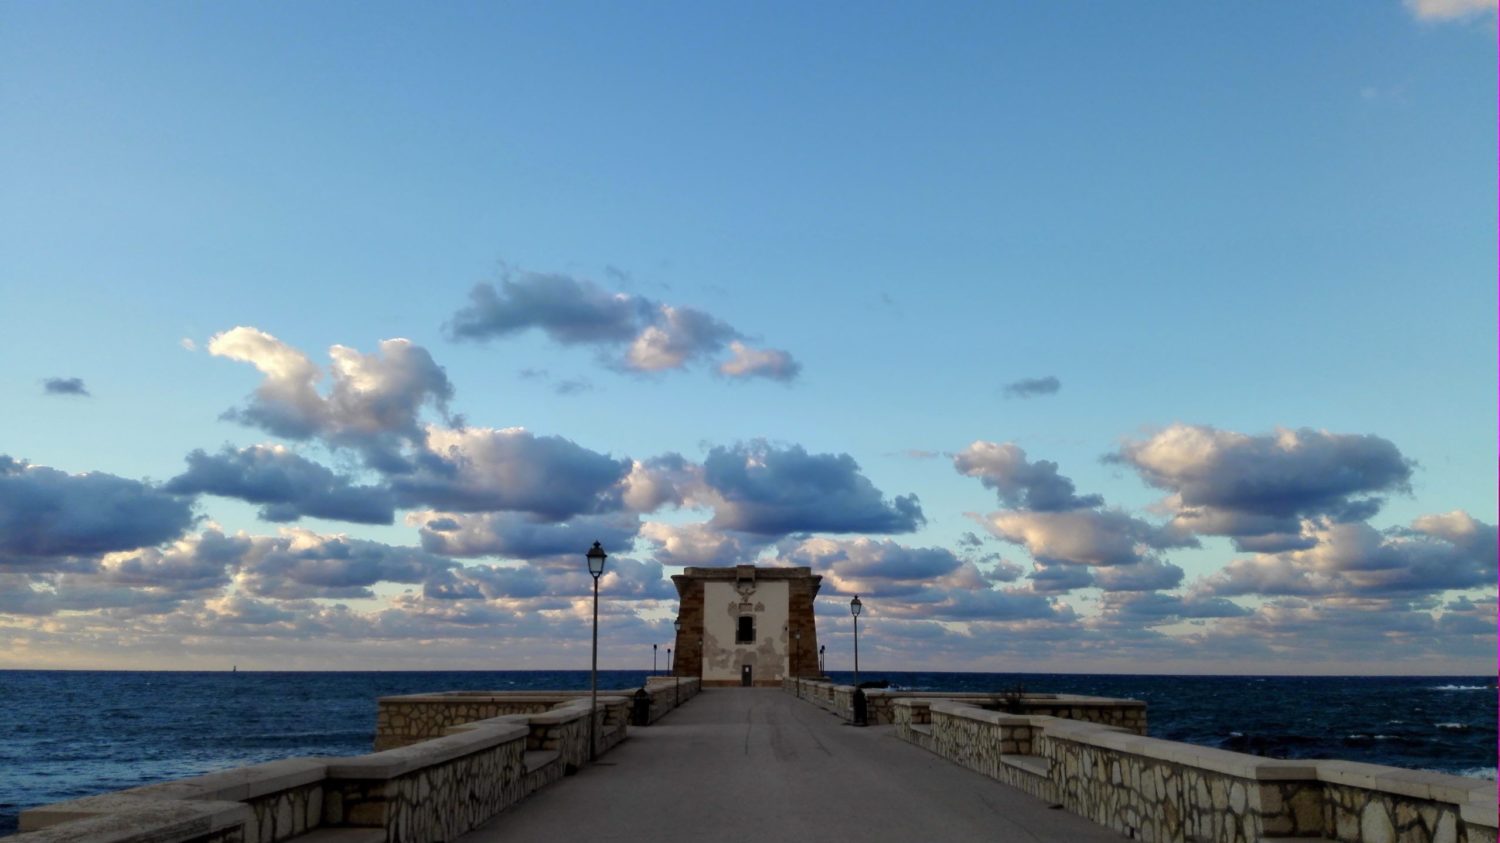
286 485
1032 387
1148 575
748 362
47 515
479 469
1096 537
516 535
1351 559
700 545
636 333
763 489
569 311
1448 10
667 480
678 335
865 564
64 386
190 564
373 404
915 582
1257 489
1059 578
1019 483
625 579
300 564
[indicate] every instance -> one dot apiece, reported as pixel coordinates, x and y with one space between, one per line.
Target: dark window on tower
745 634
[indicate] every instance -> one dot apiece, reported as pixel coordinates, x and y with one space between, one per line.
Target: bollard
640 712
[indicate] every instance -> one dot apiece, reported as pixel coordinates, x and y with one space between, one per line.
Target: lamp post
676 680
854 607
596 557
822 666
653 659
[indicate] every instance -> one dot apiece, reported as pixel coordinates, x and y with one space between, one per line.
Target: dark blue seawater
65 734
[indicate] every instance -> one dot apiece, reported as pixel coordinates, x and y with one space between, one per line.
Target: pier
750 764
677 761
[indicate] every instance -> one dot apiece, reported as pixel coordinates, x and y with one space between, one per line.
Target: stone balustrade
1157 790
419 791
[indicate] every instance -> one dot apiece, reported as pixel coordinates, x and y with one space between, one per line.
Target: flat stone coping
227 786
122 818
921 697
473 737
500 696
1475 797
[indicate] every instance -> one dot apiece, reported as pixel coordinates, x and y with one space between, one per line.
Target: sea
66 734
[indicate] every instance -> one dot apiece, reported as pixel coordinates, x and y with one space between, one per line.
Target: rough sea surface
66 734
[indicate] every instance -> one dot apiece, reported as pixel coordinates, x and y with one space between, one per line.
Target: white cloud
1447 10
750 362
374 402
633 333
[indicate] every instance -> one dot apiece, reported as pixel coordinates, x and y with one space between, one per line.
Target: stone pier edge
445 764
1086 755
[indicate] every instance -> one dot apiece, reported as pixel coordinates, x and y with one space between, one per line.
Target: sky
1072 337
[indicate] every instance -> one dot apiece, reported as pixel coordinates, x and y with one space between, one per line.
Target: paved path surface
760 765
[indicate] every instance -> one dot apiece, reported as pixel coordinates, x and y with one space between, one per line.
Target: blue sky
1253 246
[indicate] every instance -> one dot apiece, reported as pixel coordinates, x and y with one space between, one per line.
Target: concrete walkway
760 765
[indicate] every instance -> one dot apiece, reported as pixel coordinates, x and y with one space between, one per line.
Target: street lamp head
854 605
596 557
677 624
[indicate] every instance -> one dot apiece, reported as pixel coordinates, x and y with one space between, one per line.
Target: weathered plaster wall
723 605
793 636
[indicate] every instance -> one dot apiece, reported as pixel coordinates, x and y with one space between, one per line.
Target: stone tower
746 625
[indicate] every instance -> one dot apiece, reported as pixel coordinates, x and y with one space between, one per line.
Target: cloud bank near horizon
90 561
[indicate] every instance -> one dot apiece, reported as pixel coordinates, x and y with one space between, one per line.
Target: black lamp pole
653 659
854 607
822 667
596 557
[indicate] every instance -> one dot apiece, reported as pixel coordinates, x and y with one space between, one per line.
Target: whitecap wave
1479 773
1461 688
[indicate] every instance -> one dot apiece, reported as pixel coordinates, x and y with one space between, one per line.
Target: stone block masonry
451 765
1103 767
881 704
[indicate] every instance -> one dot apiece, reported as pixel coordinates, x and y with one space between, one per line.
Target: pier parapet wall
424 789
881 704
1171 792
404 720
